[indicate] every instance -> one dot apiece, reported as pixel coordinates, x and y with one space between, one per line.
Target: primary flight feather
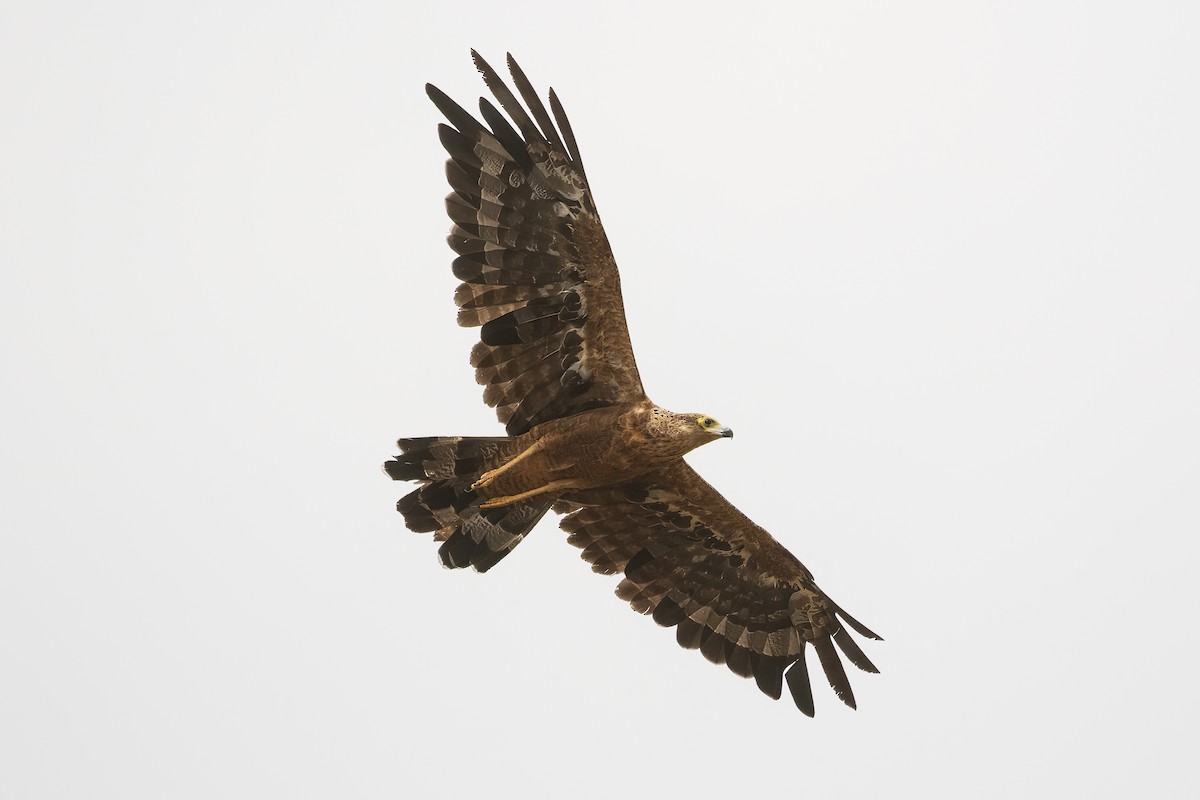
556 362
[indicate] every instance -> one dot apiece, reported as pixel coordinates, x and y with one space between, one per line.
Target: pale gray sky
936 263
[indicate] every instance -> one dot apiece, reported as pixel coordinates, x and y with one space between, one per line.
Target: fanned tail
446 505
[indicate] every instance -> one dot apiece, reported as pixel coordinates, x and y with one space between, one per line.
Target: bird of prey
583 439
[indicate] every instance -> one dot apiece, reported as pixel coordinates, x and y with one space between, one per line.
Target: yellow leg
486 478
516 498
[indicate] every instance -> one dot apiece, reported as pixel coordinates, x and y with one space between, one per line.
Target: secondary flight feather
539 280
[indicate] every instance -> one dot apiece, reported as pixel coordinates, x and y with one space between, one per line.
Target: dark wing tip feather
508 100
564 125
438 96
452 111
800 686
858 658
529 94
834 671
768 674
481 64
863 630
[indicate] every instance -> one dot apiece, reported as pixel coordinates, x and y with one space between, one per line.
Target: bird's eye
706 422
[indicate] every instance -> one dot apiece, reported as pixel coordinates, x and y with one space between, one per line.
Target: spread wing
693 561
537 271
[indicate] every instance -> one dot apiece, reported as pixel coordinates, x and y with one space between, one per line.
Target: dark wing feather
538 274
560 116
692 560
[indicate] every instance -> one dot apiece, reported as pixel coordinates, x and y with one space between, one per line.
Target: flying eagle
540 281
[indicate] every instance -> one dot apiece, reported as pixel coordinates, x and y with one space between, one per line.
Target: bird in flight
554 357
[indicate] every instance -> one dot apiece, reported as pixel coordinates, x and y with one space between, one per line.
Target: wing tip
835 672
863 630
852 651
800 687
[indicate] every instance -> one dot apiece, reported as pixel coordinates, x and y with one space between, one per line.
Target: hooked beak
724 432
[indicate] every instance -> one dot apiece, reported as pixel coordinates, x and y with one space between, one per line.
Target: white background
936 264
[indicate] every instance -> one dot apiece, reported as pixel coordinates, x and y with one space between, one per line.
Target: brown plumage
556 362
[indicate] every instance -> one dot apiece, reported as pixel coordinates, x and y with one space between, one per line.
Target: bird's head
711 428
687 431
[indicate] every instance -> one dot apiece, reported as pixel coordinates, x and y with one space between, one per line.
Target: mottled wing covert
691 560
538 275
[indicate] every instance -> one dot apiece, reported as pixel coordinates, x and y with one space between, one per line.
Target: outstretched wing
692 560
537 271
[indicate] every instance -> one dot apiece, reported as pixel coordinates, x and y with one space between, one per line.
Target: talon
483 481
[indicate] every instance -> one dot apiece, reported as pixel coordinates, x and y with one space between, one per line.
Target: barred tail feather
446 505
